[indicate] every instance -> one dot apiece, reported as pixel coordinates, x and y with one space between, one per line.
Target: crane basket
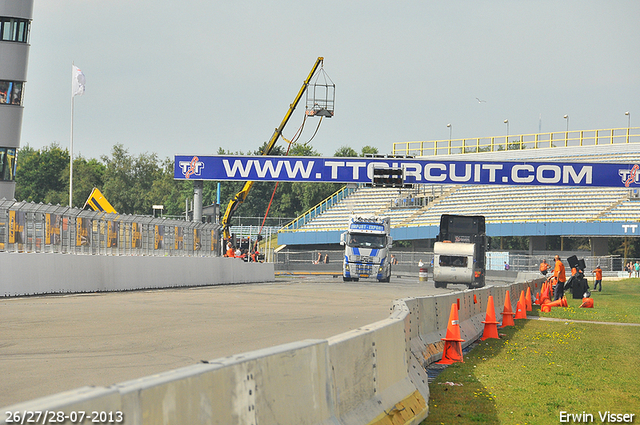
321 95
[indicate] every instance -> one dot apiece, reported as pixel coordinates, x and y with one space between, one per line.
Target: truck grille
364 268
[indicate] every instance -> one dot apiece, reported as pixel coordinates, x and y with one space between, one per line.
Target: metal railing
517 142
318 209
30 227
495 260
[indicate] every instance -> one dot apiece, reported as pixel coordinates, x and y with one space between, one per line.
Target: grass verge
538 369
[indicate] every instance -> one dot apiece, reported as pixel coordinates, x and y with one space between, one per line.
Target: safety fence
607 136
495 259
375 374
31 227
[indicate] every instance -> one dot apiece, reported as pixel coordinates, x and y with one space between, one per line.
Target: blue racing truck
366 248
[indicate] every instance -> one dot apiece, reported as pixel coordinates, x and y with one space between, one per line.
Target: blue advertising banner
416 171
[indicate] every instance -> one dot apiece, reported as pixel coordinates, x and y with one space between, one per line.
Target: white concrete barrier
38 273
372 375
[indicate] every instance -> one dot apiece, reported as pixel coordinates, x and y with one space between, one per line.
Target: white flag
77 81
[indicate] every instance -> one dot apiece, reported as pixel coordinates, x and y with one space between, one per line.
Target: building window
14 29
7 164
10 92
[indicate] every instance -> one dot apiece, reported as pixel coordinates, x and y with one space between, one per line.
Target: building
15 26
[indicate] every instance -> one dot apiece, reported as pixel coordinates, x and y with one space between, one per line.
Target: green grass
539 368
618 302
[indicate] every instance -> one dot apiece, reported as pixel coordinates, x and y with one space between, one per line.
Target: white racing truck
366 248
459 254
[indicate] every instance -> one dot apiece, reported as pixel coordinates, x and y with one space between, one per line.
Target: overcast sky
188 77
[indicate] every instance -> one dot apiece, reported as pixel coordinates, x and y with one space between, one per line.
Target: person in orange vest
558 272
598 272
230 251
544 267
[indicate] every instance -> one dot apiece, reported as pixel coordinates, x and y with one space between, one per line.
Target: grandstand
509 210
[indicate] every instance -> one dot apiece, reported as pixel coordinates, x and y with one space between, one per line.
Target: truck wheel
385 280
476 285
346 279
441 284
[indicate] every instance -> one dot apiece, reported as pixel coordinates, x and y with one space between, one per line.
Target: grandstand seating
424 205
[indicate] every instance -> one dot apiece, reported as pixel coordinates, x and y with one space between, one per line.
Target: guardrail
516 142
375 374
30 227
318 209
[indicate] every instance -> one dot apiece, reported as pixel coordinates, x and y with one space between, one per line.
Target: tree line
134 183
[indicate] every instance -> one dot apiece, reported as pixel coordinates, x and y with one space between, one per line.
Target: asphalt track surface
55 343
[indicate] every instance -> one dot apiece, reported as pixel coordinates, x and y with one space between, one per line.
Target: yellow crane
241 196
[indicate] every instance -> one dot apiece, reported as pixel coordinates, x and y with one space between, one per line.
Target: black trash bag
578 285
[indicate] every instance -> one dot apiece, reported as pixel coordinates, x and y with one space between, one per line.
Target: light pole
628 124
566 135
506 139
450 127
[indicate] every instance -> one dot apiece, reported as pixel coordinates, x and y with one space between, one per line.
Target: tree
346 151
43 175
303 150
87 174
369 150
128 181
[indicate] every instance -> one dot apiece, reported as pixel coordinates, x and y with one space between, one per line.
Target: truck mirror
389 240
342 235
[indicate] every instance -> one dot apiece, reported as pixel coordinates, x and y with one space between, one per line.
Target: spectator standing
544 267
559 274
598 272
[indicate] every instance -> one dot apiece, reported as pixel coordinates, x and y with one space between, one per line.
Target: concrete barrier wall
372 375
38 273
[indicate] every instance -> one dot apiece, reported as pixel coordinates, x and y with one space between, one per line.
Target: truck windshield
453 261
365 240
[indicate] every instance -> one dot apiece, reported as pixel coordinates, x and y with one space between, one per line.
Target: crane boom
241 196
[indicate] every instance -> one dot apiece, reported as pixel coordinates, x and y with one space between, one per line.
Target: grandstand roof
509 210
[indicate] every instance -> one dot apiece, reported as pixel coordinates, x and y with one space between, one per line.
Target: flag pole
77 88
71 144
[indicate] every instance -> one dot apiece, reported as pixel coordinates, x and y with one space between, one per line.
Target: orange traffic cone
507 313
475 300
564 302
556 303
587 303
490 322
521 307
538 300
545 308
452 351
544 292
546 297
527 299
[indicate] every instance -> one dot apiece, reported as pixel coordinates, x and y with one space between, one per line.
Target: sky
189 77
